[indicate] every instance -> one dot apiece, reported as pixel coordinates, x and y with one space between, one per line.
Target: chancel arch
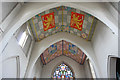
41 46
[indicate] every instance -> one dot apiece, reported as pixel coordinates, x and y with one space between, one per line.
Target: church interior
59 40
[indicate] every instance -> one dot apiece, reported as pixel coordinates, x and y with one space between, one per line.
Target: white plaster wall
104 43
12 49
9 68
7 7
49 68
33 72
88 73
37 69
9 12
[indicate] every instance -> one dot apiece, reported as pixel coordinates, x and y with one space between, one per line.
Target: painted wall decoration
63 48
76 20
48 21
50 53
63 19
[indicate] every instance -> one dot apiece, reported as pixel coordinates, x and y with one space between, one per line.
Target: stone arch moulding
31 9
41 46
64 63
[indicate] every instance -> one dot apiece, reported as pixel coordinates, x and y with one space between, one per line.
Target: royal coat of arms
76 20
48 21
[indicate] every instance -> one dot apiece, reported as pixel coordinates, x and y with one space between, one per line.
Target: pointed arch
41 46
66 67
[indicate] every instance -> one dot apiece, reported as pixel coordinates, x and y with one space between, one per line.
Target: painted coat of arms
48 21
76 20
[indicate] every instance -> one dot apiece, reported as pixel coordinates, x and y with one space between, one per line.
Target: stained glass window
63 71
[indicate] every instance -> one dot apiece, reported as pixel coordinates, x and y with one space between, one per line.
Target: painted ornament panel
62 19
63 48
48 21
52 52
76 20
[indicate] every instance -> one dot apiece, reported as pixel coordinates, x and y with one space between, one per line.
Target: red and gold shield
76 20
48 21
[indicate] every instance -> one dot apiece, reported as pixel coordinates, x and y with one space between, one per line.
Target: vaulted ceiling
62 19
63 48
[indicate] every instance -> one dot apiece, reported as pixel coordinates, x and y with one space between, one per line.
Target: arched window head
63 71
